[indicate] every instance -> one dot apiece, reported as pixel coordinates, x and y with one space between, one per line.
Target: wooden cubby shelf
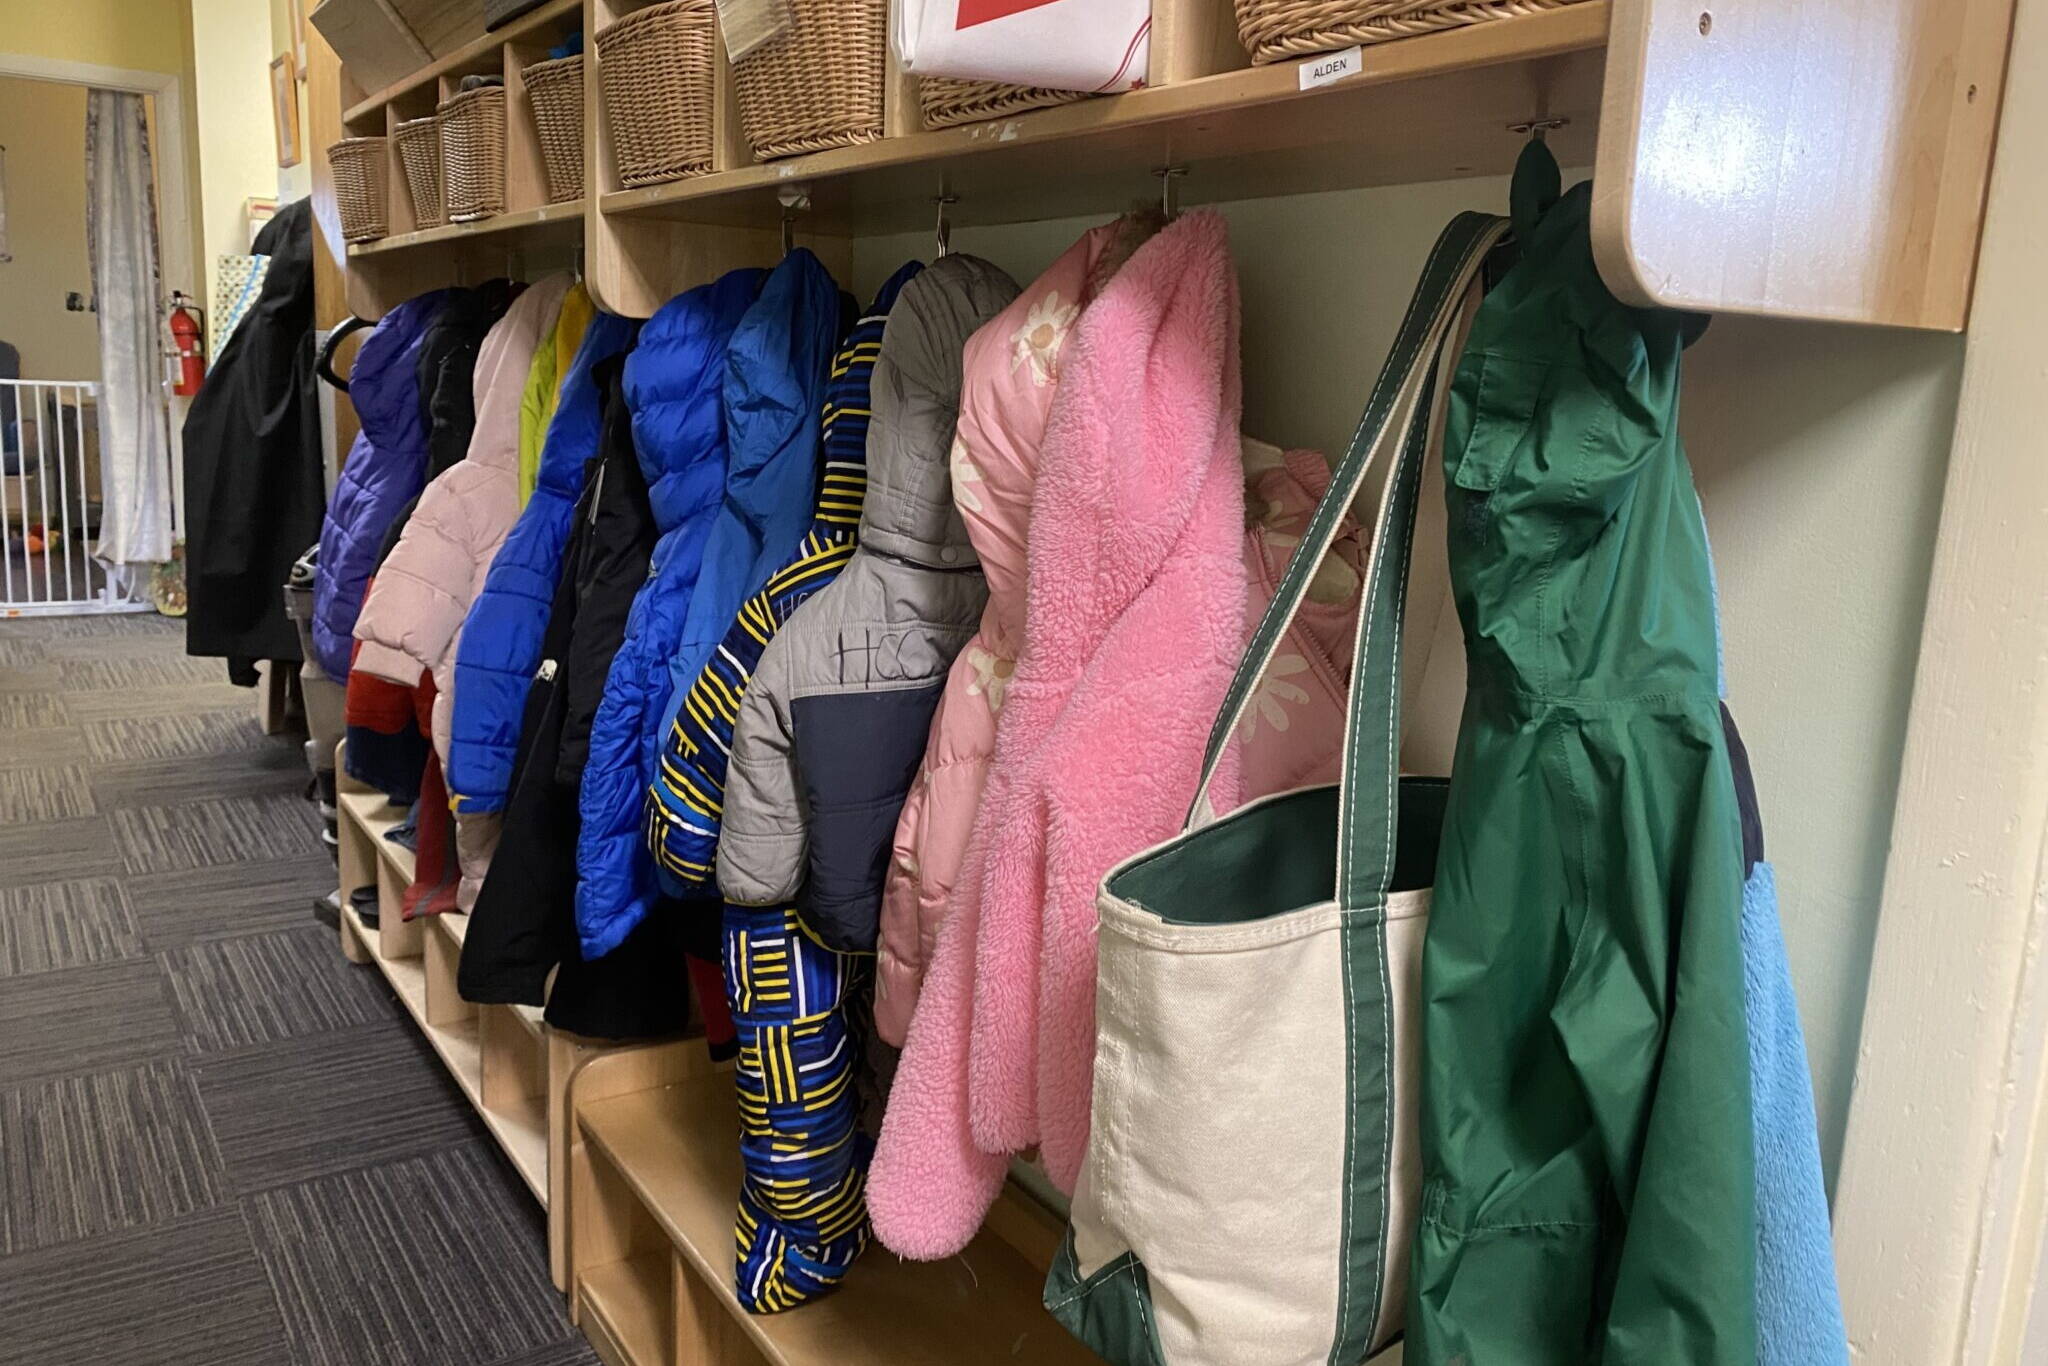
549 23
566 217
505 1059
656 1178
1425 108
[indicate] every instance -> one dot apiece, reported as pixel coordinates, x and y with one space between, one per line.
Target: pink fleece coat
413 615
1009 370
1134 611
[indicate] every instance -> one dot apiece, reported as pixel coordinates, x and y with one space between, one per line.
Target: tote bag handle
1396 418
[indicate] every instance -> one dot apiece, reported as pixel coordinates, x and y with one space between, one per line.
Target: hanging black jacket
524 921
255 486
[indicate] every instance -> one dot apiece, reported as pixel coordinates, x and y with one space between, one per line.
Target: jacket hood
384 385
916 400
775 375
1009 371
672 384
502 366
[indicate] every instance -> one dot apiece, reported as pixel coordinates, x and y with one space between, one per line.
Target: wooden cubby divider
508 1062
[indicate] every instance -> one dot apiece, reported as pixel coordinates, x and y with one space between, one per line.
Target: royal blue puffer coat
386 468
674 380
776 373
501 637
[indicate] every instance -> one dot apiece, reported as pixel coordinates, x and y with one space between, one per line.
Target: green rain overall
1588 1196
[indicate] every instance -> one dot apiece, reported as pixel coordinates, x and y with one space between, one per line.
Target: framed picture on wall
284 108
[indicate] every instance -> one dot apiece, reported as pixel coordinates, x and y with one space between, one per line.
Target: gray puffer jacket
835 722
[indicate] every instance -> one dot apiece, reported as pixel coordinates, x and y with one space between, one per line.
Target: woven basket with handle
1275 30
947 101
818 85
359 179
473 153
655 65
555 89
419 152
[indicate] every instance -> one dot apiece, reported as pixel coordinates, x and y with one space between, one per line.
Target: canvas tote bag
1099 46
1251 1183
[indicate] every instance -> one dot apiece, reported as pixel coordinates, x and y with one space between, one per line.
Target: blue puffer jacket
501 637
776 372
387 467
673 387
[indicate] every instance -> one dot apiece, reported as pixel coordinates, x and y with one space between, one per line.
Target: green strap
1397 412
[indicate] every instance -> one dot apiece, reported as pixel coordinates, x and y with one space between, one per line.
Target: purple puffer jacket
386 469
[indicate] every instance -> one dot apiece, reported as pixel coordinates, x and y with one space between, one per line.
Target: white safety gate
50 503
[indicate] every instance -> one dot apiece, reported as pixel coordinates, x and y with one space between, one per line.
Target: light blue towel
1798 1307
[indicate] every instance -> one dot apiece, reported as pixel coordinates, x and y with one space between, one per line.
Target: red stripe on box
974 12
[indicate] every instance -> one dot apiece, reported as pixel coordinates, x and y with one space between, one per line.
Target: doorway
88 434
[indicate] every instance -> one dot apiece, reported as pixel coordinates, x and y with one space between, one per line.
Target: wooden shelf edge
623 1320
1548 33
368 811
522 1131
559 215
463 56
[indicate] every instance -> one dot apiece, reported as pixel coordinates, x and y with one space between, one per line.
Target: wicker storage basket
656 67
818 85
359 180
419 151
473 153
947 101
555 89
1275 30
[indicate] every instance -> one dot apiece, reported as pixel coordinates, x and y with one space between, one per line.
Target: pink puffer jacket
1007 379
1293 733
1134 620
413 615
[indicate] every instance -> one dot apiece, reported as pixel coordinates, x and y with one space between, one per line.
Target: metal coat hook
795 199
576 260
1169 196
1536 128
945 228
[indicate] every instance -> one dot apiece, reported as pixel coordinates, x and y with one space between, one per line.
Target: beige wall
1820 453
238 147
42 126
141 35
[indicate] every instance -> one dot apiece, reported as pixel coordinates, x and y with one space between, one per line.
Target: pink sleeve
930 1186
421 594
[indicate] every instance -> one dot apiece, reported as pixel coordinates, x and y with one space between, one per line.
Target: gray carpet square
330 1103
156 839
90 1154
173 700
21 653
39 676
54 851
191 1293
22 709
264 988
276 770
176 736
198 904
155 669
429 1259
574 1351
44 794
86 1020
55 925
40 746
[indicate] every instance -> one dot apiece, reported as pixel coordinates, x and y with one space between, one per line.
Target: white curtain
135 446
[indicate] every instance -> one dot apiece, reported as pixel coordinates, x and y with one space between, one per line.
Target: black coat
255 482
524 922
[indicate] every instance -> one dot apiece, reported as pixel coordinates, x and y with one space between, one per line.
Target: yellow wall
293 182
141 35
1819 451
42 126
238 146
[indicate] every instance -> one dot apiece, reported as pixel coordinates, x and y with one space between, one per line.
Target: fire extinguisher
187 345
